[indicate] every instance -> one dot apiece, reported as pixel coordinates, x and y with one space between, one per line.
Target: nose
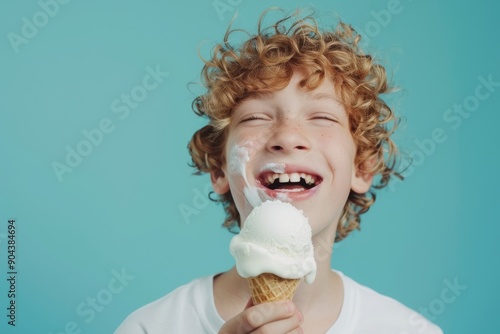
288 137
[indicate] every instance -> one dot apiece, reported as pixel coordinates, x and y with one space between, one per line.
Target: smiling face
293 144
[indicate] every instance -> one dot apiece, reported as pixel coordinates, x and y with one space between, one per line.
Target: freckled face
299 148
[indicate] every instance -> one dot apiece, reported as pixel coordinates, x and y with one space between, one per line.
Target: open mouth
289 182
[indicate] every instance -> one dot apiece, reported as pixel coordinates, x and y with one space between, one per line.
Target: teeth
292 177
284 178
275 176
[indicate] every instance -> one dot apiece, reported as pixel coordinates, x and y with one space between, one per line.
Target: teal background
120 209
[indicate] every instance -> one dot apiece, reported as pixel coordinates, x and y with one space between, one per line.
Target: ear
220 183
360 181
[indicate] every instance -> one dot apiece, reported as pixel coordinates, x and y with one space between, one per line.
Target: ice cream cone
269 287
275 237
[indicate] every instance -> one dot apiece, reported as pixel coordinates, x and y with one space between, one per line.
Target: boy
307 101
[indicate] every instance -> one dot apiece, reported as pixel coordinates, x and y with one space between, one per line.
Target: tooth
275 176
270 179
309 179
284 178
294 177
303 175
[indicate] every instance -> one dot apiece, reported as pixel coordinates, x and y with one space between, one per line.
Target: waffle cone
269 288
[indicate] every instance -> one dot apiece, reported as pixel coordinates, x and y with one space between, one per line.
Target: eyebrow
316 96
259 95
266 95
325 96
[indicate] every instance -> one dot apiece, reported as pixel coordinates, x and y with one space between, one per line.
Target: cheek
236 187
239 153
339 151
241 148
252 138
338 143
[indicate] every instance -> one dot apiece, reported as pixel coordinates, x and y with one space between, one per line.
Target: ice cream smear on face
276 239
238 158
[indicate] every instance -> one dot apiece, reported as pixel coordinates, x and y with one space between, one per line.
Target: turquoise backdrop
98 184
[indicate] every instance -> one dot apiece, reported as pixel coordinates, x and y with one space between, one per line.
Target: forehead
298 87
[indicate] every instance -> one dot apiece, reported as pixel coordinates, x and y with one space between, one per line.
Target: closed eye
325 118
250 118
254 118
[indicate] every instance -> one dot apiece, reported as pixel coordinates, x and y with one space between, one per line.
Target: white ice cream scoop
276 239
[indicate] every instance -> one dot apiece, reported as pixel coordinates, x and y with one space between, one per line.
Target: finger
287 325
259 315
262 314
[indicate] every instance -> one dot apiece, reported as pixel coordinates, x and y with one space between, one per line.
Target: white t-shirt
191 309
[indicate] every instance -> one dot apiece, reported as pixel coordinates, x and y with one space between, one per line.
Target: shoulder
373 312
172 311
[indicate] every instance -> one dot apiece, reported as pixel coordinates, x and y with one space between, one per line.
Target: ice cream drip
238 159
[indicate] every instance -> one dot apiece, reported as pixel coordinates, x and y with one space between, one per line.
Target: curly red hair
266 62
